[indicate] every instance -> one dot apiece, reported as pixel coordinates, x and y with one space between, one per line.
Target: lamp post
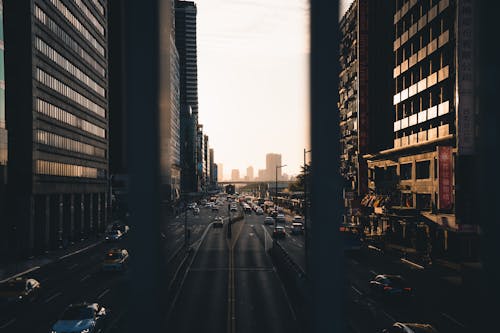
306 233
276 187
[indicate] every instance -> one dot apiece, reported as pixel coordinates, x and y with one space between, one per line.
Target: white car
78 318
259 211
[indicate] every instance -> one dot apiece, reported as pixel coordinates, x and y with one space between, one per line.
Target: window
424 201
422 170
405 171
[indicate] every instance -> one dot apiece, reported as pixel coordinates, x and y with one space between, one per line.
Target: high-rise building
213 167
175 125
220 172
272 161
249 175
364 92
185 40
58 143
235 175
3 144
426 173
262 174
206 161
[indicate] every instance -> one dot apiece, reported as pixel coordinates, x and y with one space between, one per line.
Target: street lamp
276 186
306 232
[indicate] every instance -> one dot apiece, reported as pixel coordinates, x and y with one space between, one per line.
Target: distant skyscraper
249 173
235 175
3 143
220 172
272 161
262 174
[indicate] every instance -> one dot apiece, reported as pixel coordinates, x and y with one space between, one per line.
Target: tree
298 185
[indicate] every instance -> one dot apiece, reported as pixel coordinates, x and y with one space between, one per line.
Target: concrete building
235 175
262 175
422 186
220 172
272 161
56 63
213 168
364 93
249 175
175 125
3 145
185 41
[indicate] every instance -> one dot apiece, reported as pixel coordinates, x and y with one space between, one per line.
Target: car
390 286
122 227
274 214
218 222
297 228
203 202
259 211
233 209
279 232
215 208
192 205
115 260
298 219
113 236
247 209
196 211
269 220
280 218
19 289
81 317
410 328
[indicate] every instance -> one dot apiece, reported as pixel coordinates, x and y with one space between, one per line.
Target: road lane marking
81 250
374 273
53 297
73 266
85 278
163 235
375 248
231 293
389 316
411 263
22 273
101 295
357 290
447 316
10 322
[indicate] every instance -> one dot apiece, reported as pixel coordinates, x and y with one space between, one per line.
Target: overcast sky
253 80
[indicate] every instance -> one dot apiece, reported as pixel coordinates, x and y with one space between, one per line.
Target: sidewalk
12 270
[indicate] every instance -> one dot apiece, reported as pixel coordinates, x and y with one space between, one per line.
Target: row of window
100 8
65 90
61 142
90 16
61 115
78 25
56 29
64 170
68 66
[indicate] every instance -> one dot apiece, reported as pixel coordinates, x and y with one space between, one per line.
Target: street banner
445 172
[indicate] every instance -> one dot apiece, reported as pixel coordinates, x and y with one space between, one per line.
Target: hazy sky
253 80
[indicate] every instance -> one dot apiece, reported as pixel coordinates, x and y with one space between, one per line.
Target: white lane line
163 235
80 251
354 262
22 273
447 316
374 273
53 297
85 278
101 295
73 266
10 322
411 263
357 290
375 248
389 316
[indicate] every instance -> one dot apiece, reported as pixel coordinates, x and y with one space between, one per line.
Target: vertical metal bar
488 183
141 103
326 248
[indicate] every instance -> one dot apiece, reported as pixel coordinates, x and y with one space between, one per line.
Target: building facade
422 186
364 94
58 137
235 175
249 175
3 143
272 161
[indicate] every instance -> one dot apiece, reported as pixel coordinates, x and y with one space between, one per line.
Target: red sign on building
445 164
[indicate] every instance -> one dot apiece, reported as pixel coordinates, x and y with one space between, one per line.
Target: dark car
390 286
83 317
119 226
215 208
297 228
410 328
113 236
19 289
218 222
274 214
279 232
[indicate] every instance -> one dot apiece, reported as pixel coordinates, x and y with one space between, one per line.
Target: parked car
410 328
279 232
218 222
115 260
83 317
390 286
113 236
19 289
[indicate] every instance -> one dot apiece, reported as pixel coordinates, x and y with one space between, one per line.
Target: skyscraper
3 144
272 161
185 41
58 165
235 175
249 175
220 172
